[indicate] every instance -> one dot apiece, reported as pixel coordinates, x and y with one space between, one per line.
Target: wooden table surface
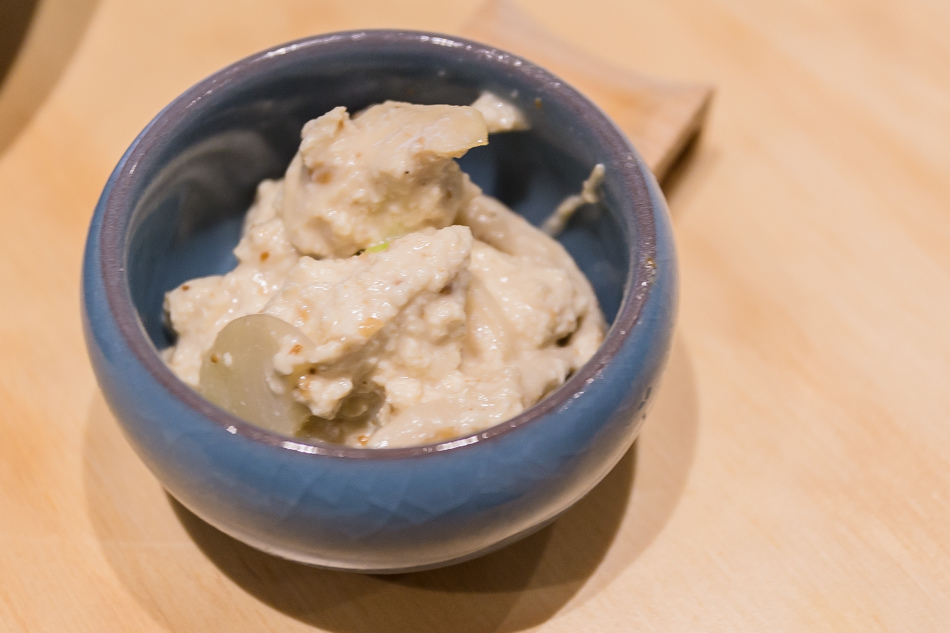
794 474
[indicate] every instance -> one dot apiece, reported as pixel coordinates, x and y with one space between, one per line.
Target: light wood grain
659 117
794 475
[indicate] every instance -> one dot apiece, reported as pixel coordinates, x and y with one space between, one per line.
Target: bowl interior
208 150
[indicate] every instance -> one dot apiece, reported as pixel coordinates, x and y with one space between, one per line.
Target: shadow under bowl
172 210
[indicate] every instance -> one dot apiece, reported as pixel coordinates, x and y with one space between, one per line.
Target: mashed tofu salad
381 299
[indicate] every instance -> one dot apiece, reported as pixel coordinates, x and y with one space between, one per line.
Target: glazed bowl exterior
172 211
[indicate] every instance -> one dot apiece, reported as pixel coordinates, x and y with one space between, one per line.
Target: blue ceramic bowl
172 210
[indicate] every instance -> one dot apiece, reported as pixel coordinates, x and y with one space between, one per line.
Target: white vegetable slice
238 374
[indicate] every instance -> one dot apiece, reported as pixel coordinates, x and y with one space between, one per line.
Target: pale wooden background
794 474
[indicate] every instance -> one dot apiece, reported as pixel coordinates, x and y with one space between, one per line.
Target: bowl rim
115 208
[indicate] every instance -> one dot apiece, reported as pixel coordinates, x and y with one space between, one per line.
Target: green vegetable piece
378 248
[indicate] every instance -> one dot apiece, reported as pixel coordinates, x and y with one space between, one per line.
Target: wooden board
659 117
794 474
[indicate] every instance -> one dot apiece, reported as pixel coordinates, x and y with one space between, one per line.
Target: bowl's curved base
337 565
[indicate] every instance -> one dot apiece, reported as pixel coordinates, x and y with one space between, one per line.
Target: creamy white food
410 307
500 115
